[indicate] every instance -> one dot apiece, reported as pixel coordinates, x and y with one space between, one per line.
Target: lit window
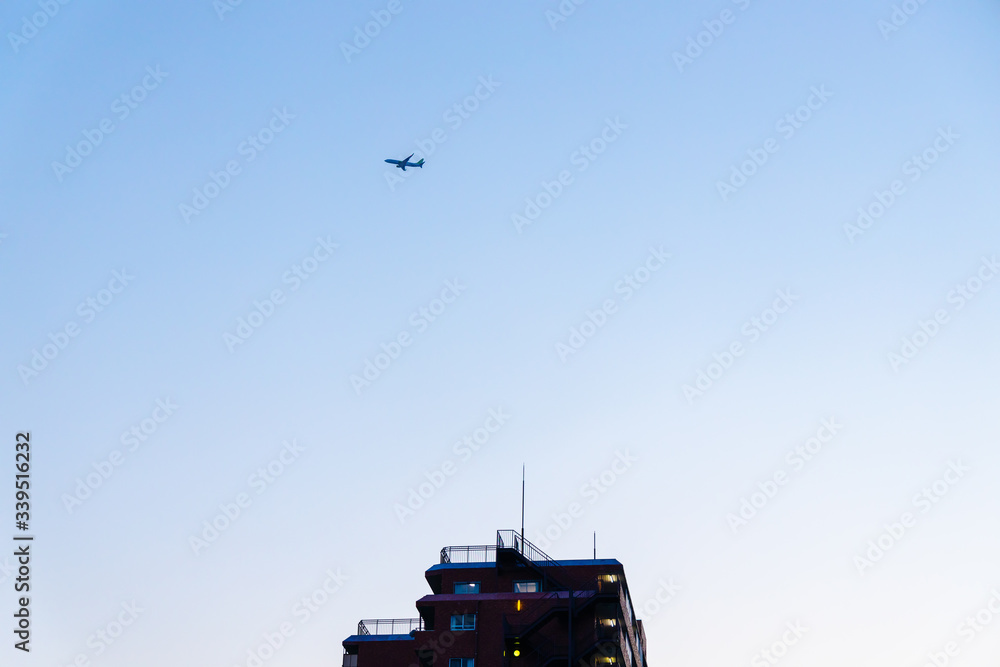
527 586
463 621
462 662
467 587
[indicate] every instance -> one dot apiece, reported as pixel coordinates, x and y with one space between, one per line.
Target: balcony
389 626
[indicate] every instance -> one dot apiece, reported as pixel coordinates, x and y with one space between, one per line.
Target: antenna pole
522 502
595 545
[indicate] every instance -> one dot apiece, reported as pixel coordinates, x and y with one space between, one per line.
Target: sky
720 275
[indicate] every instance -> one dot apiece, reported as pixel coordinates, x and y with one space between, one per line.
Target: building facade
509 605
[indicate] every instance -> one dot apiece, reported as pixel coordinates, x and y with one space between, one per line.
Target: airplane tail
420 163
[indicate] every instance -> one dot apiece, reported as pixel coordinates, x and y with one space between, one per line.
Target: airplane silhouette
404 163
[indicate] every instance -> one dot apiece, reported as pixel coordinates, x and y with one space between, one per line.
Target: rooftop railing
389 626
480 553
513 540
487 553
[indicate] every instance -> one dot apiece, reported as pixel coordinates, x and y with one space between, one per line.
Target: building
509 605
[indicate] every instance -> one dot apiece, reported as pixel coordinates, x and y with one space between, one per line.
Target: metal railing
487 553
554 602
480 553
516 625
511 539
389 626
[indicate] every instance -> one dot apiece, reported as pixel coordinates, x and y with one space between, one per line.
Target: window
463 621
462 662
467 587
527 587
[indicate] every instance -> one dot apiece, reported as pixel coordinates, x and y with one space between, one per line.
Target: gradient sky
556 86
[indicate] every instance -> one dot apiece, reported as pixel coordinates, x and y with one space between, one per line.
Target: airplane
404 163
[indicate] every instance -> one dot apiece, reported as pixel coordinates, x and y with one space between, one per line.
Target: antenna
522 503
595 545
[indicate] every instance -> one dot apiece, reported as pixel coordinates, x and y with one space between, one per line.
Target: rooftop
561 563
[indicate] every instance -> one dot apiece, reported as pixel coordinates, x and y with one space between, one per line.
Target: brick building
509 605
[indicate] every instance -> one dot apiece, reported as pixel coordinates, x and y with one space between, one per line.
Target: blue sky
316 199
